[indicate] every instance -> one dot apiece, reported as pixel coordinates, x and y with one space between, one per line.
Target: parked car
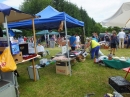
101 36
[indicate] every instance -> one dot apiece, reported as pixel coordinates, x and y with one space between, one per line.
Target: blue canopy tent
9 14
50 19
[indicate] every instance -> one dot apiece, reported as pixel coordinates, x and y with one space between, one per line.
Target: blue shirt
72 40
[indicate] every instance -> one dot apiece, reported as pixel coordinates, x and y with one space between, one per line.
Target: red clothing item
25 38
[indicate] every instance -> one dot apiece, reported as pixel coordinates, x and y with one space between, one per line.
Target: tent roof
120 18
50 19
48 12
12 14
42 32
54 33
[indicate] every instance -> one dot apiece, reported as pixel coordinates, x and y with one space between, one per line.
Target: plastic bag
7 62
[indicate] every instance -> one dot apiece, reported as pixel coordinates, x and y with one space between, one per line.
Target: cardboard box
18 57
2 49
62 70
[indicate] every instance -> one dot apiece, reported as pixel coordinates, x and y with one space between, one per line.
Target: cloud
96 9
13 3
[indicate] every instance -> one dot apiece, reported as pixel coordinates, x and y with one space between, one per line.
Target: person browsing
72 42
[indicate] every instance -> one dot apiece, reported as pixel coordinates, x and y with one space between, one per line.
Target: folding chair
127 71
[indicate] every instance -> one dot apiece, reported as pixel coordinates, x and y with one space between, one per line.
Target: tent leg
67 47
7 33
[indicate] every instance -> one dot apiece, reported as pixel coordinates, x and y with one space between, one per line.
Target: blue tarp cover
50 19
12 14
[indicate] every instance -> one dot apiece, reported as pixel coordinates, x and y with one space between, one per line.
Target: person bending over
94 48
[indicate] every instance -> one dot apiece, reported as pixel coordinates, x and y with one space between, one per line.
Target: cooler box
120 84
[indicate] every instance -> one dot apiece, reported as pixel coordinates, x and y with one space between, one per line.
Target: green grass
87 77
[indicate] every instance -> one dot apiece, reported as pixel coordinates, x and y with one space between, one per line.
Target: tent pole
67 46
45 38
84 33
34 37
7 33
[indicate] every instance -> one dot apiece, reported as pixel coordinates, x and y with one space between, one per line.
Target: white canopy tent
121 18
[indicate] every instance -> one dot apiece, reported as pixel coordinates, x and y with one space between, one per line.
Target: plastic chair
127 71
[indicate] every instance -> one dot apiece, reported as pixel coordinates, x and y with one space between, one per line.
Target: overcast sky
97 9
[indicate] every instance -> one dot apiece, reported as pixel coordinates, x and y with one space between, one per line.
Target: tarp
12 14
121 18
50 19
43 32
117 64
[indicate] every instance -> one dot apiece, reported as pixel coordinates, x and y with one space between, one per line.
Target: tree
35 6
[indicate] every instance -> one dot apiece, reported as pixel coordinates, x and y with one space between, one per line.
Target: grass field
87 77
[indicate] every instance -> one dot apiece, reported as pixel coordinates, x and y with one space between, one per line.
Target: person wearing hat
94 47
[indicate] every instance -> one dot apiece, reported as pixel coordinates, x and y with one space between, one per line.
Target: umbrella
54 33
14 30
121 18
43 32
